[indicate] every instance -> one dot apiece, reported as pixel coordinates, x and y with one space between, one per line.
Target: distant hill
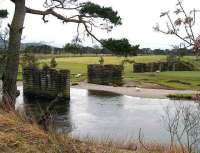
40 48
36 44
24 45
33 45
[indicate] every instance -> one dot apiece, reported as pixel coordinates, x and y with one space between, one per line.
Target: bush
53 63
101 60
29 60
45 66
172 58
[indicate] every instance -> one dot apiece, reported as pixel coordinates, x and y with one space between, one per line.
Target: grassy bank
19 136
181 96
173 80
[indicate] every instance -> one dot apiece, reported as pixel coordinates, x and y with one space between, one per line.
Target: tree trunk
12 63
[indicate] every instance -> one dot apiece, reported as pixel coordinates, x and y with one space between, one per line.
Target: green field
174 80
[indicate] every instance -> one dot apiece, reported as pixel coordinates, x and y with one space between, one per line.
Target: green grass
174 80
79 64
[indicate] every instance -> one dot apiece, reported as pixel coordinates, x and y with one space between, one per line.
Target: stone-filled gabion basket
46 83
162 66
105 74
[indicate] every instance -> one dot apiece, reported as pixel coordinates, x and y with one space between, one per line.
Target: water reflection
102 93
35 108
103 115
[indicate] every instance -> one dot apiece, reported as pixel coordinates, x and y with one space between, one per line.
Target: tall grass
17 135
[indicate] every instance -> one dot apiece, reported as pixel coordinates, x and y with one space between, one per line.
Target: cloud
139 16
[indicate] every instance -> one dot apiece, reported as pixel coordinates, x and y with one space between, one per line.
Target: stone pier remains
162 66
105 74
46 83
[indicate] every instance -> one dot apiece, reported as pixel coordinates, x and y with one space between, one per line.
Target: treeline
44 49
120 47
79 49
73 48
68 48
178 51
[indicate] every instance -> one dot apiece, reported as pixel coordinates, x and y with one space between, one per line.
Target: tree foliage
86 15
38 49
53 63
3 13
121 47
29 60
177 52
73 48
106 13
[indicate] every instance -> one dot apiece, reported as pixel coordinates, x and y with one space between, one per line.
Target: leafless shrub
183 125
182 26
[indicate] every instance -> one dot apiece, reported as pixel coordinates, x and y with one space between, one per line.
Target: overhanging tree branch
86 14
91 34
64 19
51 12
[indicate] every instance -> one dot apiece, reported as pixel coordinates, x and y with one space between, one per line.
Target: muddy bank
134 91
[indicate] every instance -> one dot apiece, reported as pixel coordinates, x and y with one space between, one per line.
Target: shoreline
130 91
133 91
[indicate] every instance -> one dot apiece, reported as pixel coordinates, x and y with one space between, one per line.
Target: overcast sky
138 17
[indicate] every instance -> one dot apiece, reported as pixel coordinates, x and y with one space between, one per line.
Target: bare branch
83 14
53 13
186 17
181 25
90 33
64 19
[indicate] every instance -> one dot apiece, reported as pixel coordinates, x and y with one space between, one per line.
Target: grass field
174 80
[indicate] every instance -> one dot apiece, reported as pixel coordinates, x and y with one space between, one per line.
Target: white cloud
139 16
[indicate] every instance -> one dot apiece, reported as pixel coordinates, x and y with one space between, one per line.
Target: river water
105 116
